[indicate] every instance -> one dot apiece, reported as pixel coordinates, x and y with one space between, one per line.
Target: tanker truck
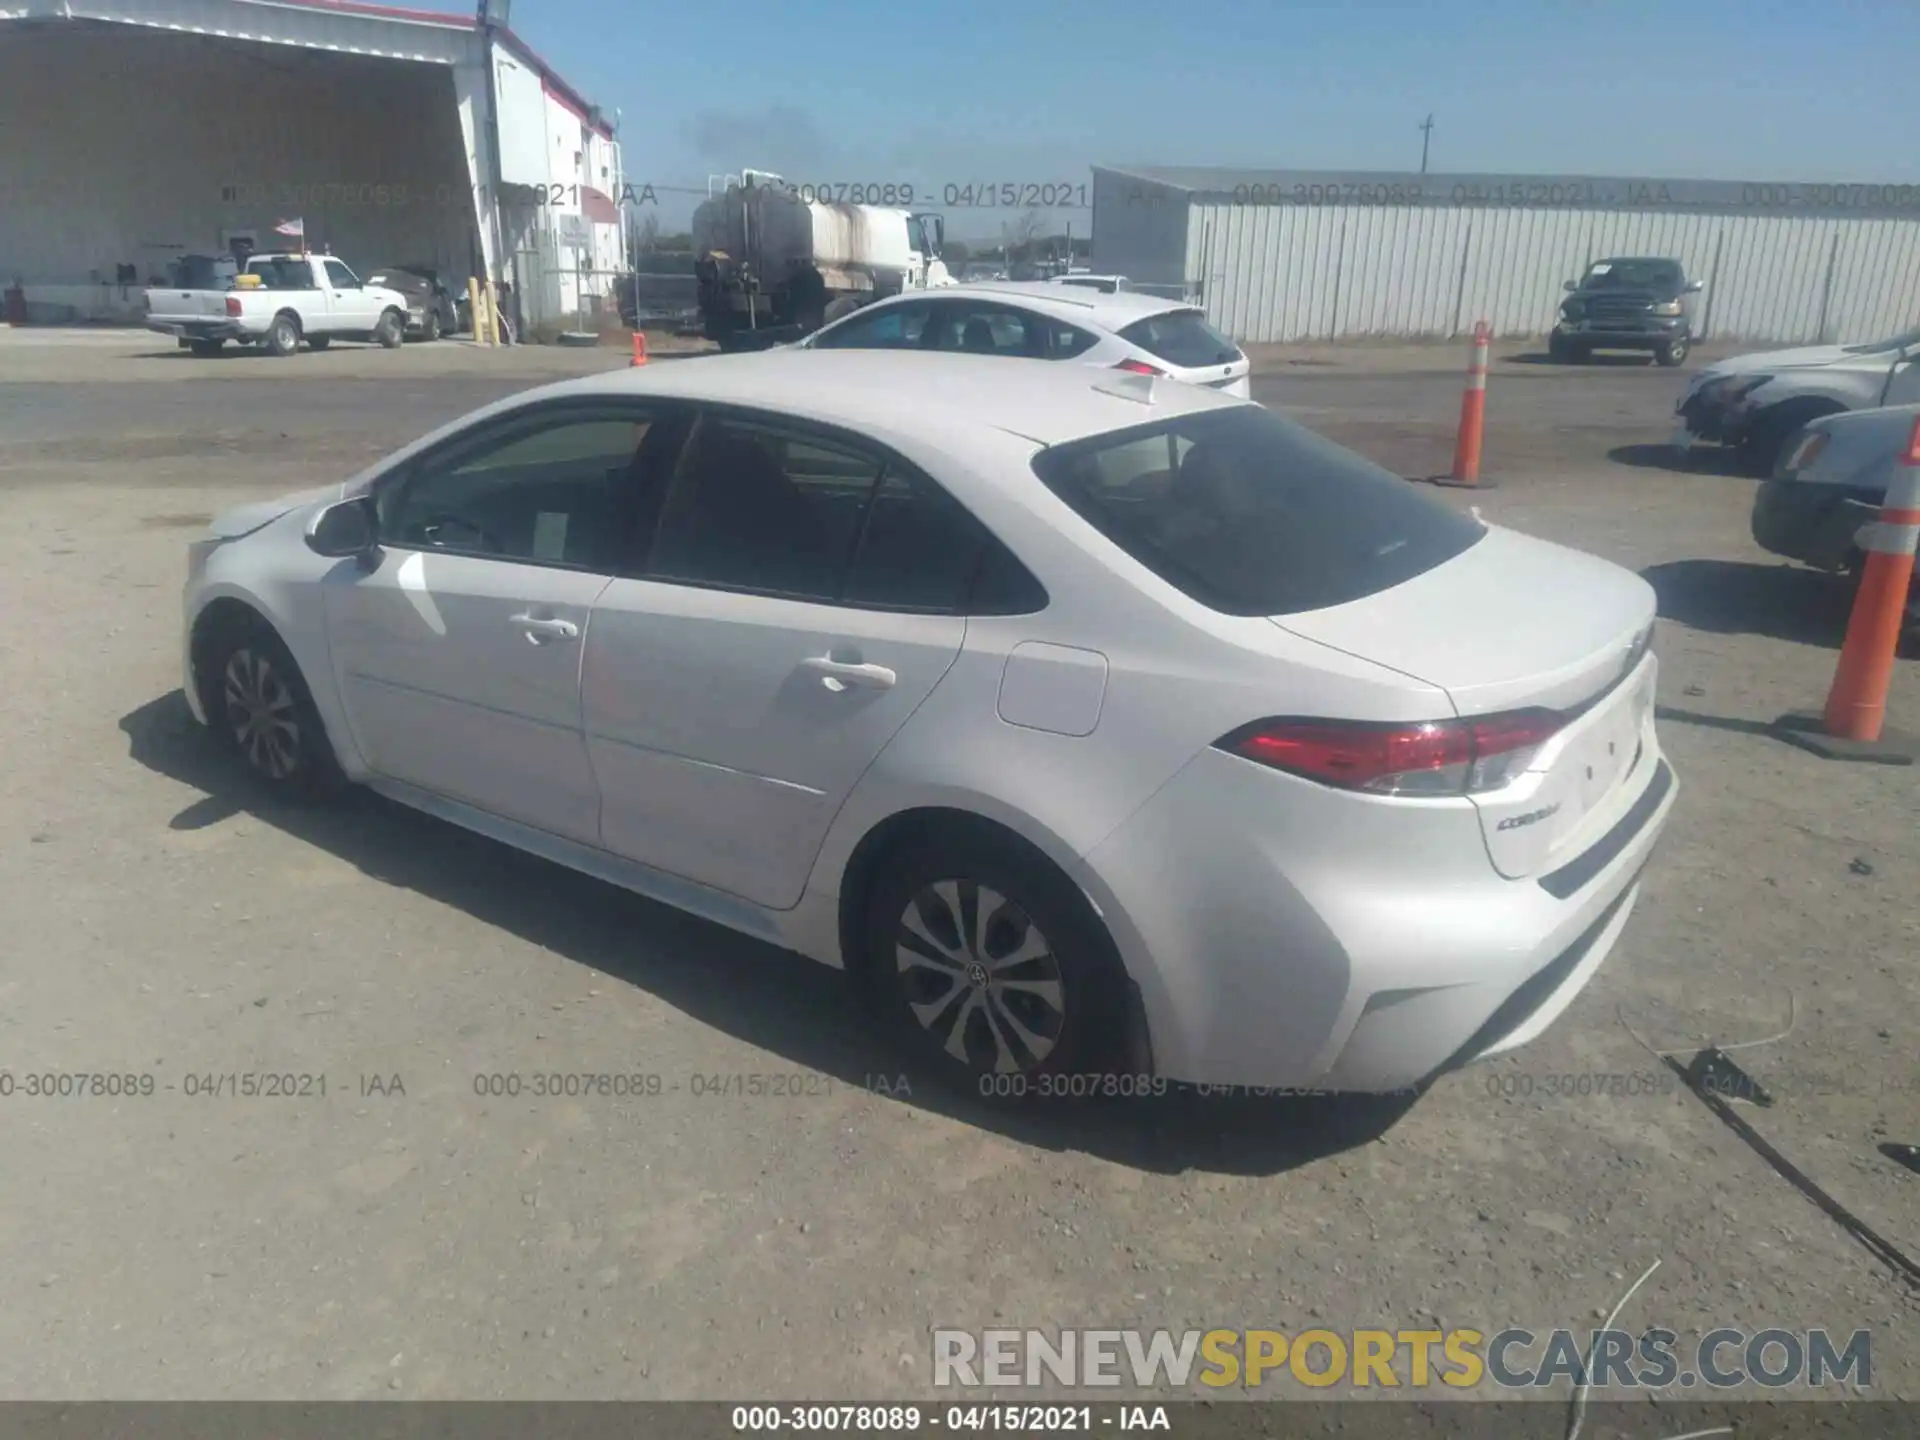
774 265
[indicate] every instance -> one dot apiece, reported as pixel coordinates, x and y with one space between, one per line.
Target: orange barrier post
639 351
1853 726
1473 415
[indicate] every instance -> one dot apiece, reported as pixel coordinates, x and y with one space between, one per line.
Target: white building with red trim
136 131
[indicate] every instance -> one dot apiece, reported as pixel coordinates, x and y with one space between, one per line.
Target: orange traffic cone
1473 418
639 351
1853 726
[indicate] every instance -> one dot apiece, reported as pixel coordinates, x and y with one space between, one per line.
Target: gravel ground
436 1243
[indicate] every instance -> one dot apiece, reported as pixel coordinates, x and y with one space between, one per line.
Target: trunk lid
187 304
1516 623
1182 343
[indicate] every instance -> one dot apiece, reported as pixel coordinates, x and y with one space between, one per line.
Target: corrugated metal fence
1270 273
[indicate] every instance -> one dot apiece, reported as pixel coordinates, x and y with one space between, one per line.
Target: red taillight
1439 757
233 305
1138 367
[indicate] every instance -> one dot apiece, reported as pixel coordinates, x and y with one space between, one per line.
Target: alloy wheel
980 977
261 714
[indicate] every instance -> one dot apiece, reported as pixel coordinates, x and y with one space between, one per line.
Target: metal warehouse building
1278 255
135 131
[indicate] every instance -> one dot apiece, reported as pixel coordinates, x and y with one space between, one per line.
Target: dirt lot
435 1243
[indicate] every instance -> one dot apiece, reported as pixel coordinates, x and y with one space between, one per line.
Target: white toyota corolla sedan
1108 726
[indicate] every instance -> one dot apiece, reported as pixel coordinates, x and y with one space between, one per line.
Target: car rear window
1251 514
1182 337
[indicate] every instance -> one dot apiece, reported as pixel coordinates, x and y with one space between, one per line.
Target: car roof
1067 302
899 391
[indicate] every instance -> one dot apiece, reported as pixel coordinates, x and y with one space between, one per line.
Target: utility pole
1425 128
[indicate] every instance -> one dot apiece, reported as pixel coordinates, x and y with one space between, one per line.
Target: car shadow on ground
756 992
1737 597
1611 360
1676 461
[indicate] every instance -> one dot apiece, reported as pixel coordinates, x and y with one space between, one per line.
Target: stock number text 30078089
972 195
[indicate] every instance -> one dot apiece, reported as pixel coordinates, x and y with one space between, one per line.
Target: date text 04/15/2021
652 1085
915 1419
968 195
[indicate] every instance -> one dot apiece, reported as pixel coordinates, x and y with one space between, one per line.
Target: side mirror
1694 287
344 530
1569 285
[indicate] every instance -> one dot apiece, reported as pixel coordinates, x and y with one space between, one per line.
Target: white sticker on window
1600 269
550 535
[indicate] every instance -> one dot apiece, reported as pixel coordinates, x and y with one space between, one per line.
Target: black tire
182 343
283 335
260 709
319 342
431 331
205 347
1013 1041
1673 353
1557 347
1773 430
391 332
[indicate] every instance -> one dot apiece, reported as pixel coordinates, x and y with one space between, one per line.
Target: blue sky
845 91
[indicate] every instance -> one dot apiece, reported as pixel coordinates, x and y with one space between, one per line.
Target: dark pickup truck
1627 303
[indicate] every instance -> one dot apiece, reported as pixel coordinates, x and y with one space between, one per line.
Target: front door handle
540 631
837 675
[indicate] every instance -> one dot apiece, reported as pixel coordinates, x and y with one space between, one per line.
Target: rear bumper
1811 523
1284 934
198 329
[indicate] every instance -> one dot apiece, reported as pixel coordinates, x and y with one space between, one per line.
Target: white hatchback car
1118 732
1050 320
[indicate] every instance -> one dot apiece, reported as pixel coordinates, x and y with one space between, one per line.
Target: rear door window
764 507
1251 514
1182 337
920 547
1065 341
975 329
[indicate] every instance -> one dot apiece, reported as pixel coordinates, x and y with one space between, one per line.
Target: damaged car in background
1757 404
431 309
1829 487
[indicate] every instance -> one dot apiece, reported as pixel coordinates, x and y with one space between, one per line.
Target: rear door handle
540 631
837 675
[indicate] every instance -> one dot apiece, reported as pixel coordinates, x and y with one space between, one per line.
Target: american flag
296 228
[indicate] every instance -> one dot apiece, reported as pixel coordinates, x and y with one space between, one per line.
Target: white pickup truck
311 298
